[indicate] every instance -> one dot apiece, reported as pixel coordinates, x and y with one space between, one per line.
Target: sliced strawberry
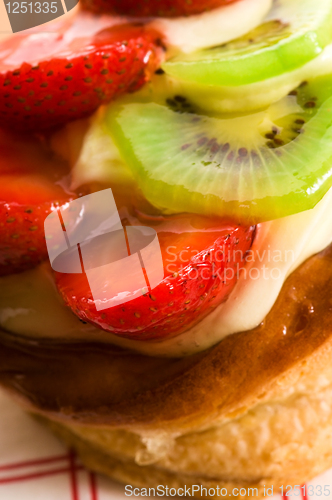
30 188
49 78
160 8
201 267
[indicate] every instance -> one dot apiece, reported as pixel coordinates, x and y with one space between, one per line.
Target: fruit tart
165 258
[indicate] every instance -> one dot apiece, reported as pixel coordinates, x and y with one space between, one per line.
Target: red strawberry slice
160 8
30 188
201 267
47 79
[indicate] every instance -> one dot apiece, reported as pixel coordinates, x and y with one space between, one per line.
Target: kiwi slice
295 33
251 167
245 98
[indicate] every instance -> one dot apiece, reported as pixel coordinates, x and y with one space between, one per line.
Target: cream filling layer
31 306
215 27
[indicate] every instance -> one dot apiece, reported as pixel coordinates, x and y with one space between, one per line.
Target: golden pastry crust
280 443
254 410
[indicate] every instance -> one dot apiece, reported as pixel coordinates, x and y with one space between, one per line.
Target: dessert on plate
208 127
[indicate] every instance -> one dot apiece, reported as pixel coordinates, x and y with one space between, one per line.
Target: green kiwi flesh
244 98
251 167
295 33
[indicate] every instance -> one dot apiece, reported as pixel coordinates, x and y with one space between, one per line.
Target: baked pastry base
283 443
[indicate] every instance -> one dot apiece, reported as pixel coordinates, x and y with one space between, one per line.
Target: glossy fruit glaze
49 78
202 260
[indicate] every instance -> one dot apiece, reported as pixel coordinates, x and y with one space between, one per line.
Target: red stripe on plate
93 486
38 475
73 476
305 495
30 463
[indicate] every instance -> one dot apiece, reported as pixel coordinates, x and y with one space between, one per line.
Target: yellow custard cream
31 306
